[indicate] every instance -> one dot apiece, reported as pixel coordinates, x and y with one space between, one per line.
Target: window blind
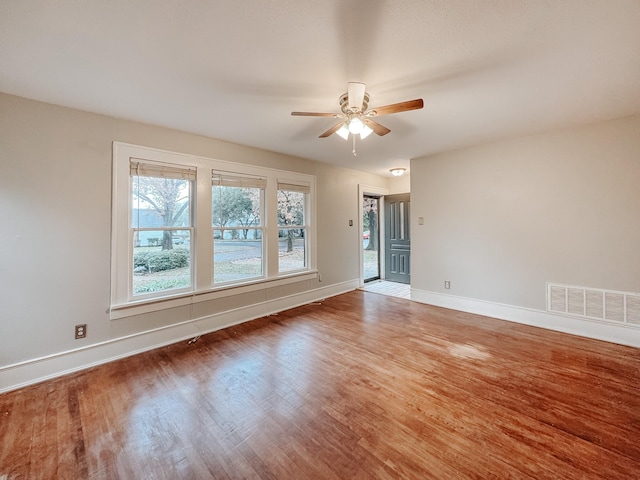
141 168
224 179
294 187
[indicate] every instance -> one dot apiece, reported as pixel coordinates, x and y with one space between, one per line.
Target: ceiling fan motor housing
344 104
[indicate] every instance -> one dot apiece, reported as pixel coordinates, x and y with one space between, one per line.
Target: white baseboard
621 333
40 369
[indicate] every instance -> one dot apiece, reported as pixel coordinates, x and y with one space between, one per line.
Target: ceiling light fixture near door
397 172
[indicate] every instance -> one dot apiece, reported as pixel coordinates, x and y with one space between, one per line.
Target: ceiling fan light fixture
355 125
365 132
343 131
397 172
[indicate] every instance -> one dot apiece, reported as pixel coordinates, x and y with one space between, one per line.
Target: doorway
370 238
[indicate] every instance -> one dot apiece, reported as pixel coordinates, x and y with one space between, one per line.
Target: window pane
237 254
235 206
291 249
290 208
160 202
156 268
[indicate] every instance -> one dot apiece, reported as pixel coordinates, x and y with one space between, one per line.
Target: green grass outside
224 272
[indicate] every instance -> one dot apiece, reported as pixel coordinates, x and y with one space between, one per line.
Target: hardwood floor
361 386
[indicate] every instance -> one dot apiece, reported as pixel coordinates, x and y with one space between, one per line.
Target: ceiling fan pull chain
354 144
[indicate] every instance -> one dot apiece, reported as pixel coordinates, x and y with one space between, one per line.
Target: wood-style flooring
359 386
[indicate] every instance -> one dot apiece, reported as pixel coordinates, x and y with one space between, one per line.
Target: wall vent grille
620 307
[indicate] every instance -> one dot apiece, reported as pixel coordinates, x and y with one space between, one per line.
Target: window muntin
292 227
237 209
161 227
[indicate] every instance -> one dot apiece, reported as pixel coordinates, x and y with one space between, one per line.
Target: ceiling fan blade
376 127
355 95
313 114
397 108
331 131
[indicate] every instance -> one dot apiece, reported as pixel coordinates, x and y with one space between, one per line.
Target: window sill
152 305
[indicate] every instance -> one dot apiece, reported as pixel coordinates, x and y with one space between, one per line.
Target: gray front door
397 240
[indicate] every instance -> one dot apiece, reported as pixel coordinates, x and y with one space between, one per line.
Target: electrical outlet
447 284
81 331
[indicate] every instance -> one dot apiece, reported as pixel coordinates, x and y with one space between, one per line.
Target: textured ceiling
234 70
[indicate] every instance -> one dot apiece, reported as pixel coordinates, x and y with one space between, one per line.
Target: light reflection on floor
468 351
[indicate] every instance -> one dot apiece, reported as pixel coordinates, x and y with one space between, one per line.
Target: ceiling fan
356 118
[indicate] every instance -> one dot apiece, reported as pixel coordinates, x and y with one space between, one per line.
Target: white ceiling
234 70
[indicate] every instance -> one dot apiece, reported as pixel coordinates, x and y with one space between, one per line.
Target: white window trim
122 305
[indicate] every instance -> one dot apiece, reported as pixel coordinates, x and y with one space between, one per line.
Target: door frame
375 192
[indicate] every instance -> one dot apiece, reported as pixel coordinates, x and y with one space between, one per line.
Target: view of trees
162 219
235 206
168 198
370 221
290 212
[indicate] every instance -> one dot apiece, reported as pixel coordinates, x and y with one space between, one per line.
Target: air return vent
621 307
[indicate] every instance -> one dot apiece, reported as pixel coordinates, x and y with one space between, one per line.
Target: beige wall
502 219
55 211
400 184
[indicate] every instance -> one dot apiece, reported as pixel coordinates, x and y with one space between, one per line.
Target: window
185 225
292 237
161 227
237 209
